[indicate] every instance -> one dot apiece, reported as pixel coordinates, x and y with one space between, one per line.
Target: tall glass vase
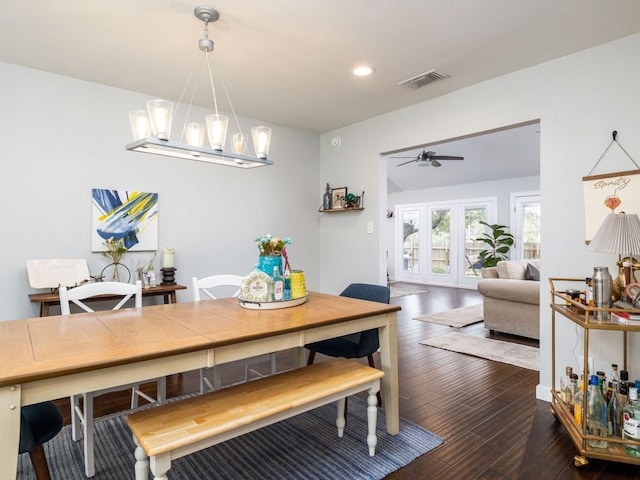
267 262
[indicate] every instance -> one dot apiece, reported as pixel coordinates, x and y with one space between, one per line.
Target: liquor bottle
278 285
588 297
614 413
631 422
565 381
287 283
596 415
578 399
614 377
623 387
601 381
571 390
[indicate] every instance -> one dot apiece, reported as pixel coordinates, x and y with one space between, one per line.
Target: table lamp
619 233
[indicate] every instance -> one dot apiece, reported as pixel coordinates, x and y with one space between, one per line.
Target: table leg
44 309
10 421
389 360
173 297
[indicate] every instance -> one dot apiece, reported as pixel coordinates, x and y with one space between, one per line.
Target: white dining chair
82 420
213 287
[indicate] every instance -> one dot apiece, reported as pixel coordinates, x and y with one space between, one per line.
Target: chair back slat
206 285
76 295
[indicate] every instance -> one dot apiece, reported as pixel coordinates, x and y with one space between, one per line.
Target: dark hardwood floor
487 413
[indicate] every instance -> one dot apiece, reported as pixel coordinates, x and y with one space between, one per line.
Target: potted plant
498 243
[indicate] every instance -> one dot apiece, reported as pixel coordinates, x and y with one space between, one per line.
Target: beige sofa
511 293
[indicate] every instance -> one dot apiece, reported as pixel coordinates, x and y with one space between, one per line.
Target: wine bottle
596 415
614 413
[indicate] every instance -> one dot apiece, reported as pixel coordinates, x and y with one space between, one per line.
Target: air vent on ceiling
422 79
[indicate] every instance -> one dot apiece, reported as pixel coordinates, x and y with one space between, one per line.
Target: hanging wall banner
609 193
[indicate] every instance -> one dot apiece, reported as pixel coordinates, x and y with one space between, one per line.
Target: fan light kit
428 159
151 128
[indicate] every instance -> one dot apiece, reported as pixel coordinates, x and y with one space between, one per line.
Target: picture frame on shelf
337 197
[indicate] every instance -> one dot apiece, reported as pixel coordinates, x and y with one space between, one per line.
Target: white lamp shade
160 116
139 120
194 133
619 233
261 140
217 129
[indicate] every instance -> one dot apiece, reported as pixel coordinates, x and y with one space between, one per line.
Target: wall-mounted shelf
346 209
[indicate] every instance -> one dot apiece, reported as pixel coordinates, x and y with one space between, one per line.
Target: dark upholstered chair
356 345
39 423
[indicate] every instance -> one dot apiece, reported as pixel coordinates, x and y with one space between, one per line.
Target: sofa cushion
519 291
489 272
514 270
532 273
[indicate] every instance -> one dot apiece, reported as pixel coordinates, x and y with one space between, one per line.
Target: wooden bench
173 430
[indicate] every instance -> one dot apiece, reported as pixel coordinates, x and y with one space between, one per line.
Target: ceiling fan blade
435 163
404 163
446 157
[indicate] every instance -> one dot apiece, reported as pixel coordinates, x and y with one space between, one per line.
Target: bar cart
585 317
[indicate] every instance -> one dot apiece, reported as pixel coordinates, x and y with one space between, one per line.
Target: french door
435 241
525 218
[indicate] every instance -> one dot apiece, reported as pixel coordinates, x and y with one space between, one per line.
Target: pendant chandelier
151 128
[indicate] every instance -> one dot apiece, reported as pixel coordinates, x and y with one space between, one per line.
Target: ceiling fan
427 158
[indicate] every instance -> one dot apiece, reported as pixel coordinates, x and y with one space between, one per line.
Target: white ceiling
289 61
508 153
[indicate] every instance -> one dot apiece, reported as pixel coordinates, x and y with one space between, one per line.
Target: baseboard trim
543 393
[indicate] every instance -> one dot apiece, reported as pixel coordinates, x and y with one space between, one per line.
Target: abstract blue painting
128 215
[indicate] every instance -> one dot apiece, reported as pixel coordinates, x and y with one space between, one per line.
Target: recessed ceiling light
363 71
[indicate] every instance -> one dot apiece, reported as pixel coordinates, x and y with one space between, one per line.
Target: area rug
401 292
303 447
459 317
504 352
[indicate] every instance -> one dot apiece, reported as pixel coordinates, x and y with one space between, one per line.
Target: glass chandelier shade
151 130
217 128
139 120
160 116
194 133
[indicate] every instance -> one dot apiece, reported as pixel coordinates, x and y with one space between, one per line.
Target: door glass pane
440 241
473 229
531 230
411 236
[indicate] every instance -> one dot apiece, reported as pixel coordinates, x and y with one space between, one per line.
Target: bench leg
340 421
142 462
160 465
372 418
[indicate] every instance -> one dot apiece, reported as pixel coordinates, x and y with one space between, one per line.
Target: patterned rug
497 350
303 447
458 317
401 292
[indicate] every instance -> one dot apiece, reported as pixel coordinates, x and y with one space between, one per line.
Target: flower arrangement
115 249
270 245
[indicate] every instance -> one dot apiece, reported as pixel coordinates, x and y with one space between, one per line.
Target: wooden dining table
47 358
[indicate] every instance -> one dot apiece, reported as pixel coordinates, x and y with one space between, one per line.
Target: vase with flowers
272 250
115 251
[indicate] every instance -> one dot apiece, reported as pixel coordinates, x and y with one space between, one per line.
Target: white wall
501 189
62 137
577 107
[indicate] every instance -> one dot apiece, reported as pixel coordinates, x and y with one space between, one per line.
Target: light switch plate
369 227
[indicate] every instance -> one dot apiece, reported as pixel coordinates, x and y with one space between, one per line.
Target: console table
48 299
